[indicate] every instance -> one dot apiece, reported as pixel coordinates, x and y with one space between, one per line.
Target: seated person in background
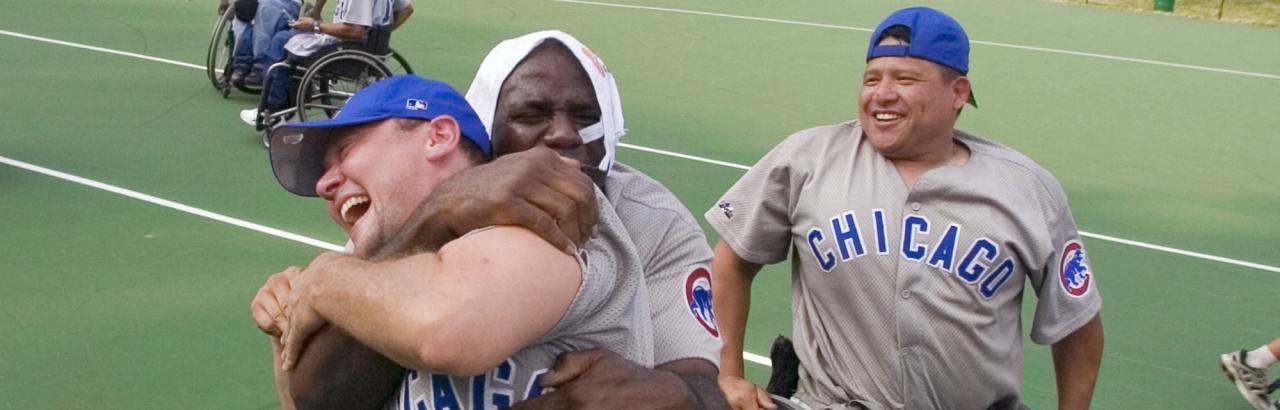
351 21
255 23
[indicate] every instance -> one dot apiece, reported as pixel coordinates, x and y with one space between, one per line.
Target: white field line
1108 238
314 242
988 43
1145 245
217 216
100 49
171 204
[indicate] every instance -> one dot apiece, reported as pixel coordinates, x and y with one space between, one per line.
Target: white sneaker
249 116
1251 382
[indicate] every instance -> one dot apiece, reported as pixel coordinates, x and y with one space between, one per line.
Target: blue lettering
826 260
882 243
944 252
502 395
845 233
504 370
968 270
443 394
911 225
409 377
477 391
501 399
535 385
997 279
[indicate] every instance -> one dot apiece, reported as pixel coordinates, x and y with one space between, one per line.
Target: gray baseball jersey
610 311
910 297
677 265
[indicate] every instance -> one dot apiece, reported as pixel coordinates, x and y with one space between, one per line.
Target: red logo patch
595 61
697 291
1073 273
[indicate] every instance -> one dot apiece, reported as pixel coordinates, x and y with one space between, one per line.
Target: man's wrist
315 27
322 280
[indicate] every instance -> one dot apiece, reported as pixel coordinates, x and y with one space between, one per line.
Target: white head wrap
503 59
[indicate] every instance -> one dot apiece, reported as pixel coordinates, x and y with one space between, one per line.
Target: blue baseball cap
297 149
935 36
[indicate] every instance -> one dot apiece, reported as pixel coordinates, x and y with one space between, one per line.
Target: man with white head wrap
530 91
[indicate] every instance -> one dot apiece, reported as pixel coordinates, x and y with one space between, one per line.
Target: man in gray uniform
460 319
910 243
548 89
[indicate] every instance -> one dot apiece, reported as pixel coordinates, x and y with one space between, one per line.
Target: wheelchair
222 42
321 83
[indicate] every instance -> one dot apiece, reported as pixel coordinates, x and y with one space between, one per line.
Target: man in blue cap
483 317
911 243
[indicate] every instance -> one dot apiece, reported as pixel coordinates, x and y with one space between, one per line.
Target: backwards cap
935 36
503 59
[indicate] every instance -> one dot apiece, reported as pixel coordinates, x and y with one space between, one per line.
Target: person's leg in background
276 87
278 95
273 17
242 51
1248 370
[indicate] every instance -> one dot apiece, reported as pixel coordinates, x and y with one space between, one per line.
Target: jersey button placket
906 294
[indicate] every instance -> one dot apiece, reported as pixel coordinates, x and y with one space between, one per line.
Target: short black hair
897 31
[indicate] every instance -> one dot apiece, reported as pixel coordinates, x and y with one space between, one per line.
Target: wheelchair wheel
218 61
398 64
334 78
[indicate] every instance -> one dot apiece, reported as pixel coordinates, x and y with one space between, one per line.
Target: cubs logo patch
697 291
1073 273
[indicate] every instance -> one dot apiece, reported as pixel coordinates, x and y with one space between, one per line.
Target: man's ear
960 92
443 137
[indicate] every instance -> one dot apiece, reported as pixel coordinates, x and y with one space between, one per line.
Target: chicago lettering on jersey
979 262
493 390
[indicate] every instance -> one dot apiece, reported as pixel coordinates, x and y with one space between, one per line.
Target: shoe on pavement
249 116
1251 382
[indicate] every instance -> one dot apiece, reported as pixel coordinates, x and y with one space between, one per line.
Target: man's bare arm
432 299
1076 359
401 16
338 372
731 277
535 189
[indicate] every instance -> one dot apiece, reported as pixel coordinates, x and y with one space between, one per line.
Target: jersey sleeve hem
713 358
1072 325
736 244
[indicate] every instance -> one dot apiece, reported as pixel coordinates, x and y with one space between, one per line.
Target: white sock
1260 358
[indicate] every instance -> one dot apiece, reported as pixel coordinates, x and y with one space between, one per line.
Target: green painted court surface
1162 130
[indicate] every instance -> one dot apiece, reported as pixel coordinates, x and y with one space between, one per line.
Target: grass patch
1256 12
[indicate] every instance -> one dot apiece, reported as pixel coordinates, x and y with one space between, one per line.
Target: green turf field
1162 130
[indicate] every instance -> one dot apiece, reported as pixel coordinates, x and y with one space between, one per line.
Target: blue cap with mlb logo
935 36
297 149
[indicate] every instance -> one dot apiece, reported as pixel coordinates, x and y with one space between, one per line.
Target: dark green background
115 303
